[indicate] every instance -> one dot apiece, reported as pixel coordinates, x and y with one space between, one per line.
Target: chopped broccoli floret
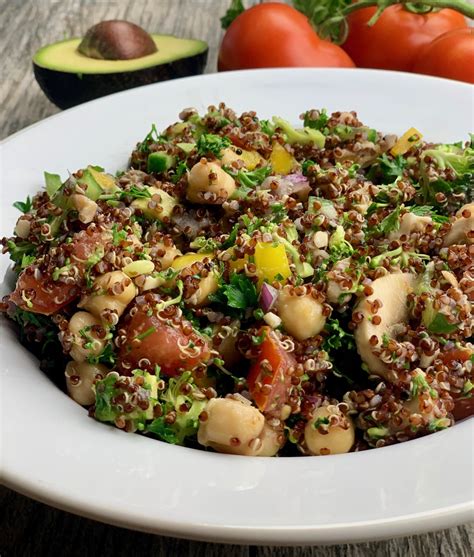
185 402
129 400
304 136
338 245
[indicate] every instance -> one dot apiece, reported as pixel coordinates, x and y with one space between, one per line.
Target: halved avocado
68 77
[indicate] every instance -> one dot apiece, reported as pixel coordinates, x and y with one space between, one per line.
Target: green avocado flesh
64 56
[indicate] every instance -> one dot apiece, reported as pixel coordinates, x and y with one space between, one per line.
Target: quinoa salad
257 288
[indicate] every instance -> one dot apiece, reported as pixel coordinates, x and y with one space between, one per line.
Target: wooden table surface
28 528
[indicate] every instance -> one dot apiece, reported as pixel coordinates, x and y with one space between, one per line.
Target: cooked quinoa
257 288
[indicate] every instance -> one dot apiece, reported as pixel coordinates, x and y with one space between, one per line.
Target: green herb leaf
392 167
179 172
151 137
251 178
210 143
337 337
441 326
428 211
23 206
235 9
239 294
324 420
316 123
162 430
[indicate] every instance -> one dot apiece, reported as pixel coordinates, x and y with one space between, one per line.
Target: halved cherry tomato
395 40
463 408
160 342
450 56
273 35
461 354
270 375
37 292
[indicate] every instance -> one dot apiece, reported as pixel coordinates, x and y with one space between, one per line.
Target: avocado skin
66 89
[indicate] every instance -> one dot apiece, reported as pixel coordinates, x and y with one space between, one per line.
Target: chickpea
270 443
231 426
207 286
170 254
86 208
338 439
334 290
103 297
22 228
85 341
209 184
80 377
229 156
462 229
301 316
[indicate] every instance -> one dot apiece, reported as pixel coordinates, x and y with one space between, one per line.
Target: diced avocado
163 209
97 182
107 391
186 147
160 162
304 136
53 183
176 129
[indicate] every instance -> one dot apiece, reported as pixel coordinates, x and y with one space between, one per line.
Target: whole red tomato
395 40
451 56
275 35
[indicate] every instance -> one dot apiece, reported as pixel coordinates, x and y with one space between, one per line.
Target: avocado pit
116 40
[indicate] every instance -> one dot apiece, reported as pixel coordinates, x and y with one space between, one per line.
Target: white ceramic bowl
51 450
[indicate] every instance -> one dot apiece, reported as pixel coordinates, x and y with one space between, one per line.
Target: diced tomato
270 375
463 408
37 292
455 354
33 294
173 347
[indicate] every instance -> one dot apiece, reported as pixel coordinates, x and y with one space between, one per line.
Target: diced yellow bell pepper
406 142
188 259
251 159
282 162
238 264
235 264
271 260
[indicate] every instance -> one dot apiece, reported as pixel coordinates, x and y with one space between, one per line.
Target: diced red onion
288 185
268 297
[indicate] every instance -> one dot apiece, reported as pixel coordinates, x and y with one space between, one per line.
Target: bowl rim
416 522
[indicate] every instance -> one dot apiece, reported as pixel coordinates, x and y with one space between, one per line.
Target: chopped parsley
240 293
24 206
209 143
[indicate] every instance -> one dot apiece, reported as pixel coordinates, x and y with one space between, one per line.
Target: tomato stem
420 6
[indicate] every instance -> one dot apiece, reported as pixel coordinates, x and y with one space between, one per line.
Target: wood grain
28 528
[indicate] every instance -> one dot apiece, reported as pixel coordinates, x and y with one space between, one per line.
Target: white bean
80 377
85 342
209 184
338 439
